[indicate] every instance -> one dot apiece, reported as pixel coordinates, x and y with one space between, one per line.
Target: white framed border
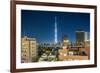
20 65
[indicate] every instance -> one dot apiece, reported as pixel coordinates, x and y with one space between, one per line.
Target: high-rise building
80 37
83 38
55 31
28 49
87 36
87 39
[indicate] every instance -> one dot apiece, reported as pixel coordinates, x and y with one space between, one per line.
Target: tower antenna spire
55 30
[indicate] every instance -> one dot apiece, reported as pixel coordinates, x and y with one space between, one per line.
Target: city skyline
49 27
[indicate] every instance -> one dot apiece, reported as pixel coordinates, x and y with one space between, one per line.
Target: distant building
28 49
87 36
82 37
65 40
87 44
87 39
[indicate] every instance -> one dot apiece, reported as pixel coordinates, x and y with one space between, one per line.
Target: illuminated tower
55 31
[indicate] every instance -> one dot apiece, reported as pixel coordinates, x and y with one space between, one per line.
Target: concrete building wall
28 49
24 50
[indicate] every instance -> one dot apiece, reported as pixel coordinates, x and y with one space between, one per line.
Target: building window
65 54
70 53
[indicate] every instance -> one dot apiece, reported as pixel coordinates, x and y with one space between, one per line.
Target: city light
57 40
56 31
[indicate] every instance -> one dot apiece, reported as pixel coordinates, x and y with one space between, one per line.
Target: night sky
40 24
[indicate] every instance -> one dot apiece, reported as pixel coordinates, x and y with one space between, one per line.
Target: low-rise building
66 54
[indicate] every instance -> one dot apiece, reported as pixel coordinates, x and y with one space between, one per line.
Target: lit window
70 53
66 41
65 54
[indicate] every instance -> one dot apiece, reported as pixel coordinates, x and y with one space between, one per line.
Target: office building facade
82 37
